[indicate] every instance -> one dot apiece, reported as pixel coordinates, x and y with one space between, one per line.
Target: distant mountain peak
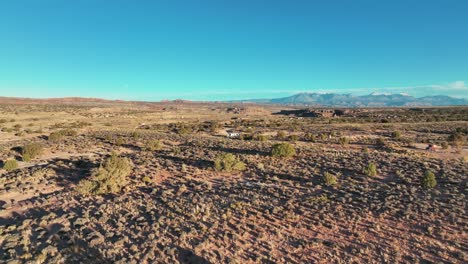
374 99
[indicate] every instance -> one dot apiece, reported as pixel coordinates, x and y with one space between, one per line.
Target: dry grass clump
153 145
10 165
111 177
228 162
31 151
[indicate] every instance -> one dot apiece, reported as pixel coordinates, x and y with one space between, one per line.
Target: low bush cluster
111 177
153 145
283 150
228 162
59 135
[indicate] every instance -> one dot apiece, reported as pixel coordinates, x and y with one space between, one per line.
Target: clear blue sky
231 49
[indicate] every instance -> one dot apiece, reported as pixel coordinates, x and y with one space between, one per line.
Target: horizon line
219 100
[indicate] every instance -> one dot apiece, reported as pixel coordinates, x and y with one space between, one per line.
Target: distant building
233 134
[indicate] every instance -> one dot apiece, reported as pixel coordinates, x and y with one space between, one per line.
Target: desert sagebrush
284 150
31 151
111 177
228 162
428 181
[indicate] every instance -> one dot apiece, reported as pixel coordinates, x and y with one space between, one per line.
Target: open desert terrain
95 181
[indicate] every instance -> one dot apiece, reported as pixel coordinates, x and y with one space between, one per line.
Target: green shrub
59 135
109 137
228 162
120 141
396 134
457 136
428 181
87 187
146 179
183 130
55 137
329 179
215 127
284 150
261 137
380 142
344 141
293 138
457 140
31 151
10 165
444 145
281 135
323 136
370 170
135 135
311 137
153 145
111 177
68 132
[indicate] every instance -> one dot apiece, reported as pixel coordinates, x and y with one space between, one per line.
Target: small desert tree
370 170
10 165
110 177
31 151
283 150
428 181
228 162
